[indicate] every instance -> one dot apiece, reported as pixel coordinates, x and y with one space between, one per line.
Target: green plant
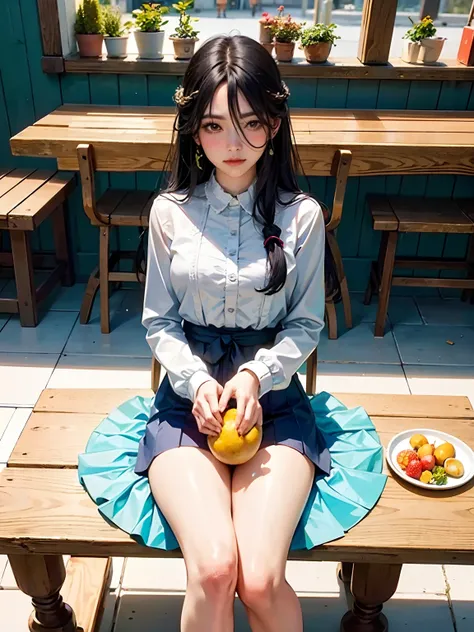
113 26
319 33
149 18
421 30
89 18
185 29
284 28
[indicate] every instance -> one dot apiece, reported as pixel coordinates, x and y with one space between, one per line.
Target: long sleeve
161 316
304 320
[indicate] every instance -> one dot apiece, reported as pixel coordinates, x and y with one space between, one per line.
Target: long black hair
246 67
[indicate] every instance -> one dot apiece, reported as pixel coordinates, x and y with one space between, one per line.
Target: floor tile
49 336
361 378
446 312
461 582
401 310
118 567
5 416
15 609
127 338
429 345
132 301
23 377
3 565
418 578
411 613
88 371
441 380
107 619
159 575
3 321
12 432
359 345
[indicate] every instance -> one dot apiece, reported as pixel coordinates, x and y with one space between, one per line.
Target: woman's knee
258 589
215 572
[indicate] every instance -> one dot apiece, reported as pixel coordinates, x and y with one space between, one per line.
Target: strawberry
405 456
414 469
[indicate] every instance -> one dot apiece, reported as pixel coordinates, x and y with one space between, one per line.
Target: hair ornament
179 97
281 96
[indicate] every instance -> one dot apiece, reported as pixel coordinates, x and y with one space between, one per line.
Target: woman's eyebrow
221 117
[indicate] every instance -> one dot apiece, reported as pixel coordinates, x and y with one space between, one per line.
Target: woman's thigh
193 491
269 493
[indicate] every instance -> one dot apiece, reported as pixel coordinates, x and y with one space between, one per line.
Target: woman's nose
234 141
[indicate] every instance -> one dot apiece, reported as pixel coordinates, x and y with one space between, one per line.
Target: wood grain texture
49 24
378 21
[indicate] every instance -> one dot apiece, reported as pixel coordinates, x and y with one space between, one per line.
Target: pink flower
281 8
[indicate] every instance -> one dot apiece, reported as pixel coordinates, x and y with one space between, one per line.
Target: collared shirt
205 259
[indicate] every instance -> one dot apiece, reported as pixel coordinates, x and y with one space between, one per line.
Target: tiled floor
415 356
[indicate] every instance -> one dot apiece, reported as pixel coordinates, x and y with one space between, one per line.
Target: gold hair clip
179 97
280 96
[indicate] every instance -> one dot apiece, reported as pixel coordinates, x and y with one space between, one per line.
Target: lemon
443 452
426 477
232 448
426 450
417 441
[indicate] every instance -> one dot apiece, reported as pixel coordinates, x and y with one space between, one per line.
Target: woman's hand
244 388
206 408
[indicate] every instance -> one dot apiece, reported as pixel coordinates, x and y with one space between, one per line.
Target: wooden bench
45 513
27 198
396 214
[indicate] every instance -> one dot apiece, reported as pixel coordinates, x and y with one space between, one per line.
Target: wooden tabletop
44 509
382 142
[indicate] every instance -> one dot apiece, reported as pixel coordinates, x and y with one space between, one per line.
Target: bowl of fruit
430 459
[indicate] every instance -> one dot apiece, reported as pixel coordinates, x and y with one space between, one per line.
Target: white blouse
205 259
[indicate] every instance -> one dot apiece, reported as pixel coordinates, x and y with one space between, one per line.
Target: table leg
385 283
344 571
61 244
371 586
41 577
24 277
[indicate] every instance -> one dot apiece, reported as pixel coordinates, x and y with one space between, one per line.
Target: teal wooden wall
26 94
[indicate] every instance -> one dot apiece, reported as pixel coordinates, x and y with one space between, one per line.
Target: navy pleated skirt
288 418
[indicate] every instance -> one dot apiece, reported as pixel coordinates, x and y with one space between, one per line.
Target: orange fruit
443 452
426 450
426 477
417 441
232 448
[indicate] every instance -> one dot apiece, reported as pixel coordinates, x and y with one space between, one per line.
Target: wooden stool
394 215
27 197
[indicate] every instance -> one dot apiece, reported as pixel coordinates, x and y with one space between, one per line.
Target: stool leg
331 319
155 374
23 267
61 245
466 294
311 372
104 279
386 283
89 295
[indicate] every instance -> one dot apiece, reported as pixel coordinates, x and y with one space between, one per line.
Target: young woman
234 304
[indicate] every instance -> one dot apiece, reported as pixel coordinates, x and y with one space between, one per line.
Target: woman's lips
237 161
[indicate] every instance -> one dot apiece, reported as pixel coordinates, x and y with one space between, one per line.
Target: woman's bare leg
193 490
269 493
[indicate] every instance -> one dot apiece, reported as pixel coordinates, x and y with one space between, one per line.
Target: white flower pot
150 45
430 49
410 51
116 46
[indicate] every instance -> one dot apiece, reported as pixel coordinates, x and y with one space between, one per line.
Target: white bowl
464 453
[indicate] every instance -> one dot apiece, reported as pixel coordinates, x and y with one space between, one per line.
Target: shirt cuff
196 380
263 373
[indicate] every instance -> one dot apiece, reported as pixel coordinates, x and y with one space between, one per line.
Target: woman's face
232 152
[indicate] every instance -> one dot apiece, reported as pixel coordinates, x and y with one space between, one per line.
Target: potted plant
286 33
185 36
421 44
89 29
266 36
317 41
116 33
150 36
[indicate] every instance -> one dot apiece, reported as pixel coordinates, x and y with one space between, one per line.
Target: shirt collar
219 199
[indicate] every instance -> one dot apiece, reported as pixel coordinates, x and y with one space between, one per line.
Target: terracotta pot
430 49
269 47
284 51
150 45
90 45
265 35
116 46
183 47
410 51
317 53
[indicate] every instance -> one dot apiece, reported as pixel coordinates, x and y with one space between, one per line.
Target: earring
198 157
270 151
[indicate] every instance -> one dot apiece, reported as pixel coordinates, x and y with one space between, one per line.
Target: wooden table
382 142
45 513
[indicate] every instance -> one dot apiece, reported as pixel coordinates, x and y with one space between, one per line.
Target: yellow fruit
417 441
443 452
454 468
426 477
232 448
426 450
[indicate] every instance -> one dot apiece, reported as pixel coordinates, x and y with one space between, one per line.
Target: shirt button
230 310
233 232
232 277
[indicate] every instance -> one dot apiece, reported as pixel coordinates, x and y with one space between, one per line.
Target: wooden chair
27 198
394 215
115 208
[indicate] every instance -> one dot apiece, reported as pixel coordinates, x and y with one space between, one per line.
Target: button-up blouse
205 259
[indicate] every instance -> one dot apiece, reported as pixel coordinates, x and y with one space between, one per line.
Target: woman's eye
212 127
255 124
